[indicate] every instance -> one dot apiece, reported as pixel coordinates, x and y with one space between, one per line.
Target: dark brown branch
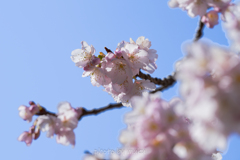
108 50
199 32
166 82
99 110
170 81
43 111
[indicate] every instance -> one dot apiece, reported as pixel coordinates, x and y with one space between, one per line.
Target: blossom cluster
209 78
207 9
232 25
116 71
159 131
61 125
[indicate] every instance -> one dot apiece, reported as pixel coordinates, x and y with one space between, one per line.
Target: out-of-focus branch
199 32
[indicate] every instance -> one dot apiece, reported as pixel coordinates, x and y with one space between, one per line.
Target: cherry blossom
150 60
66 138
156 127
50 124
27 113
210 90
200 7
26 137
231 25
81 57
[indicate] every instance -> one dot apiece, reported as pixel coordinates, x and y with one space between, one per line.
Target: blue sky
36 39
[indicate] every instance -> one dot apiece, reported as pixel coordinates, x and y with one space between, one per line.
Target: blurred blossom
209 85
27 113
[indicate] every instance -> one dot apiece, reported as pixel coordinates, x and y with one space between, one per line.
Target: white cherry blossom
81 57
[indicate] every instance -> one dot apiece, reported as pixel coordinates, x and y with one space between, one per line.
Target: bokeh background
36 40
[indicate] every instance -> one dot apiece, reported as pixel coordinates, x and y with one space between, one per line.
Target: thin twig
165 82
199 32
43 111
99 110
108 50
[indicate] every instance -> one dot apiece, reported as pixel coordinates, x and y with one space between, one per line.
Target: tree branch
43 111
108 50
199 32
166 83
170 80
99 110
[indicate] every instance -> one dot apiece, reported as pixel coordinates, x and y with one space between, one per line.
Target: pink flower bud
210 19
25 113
26 137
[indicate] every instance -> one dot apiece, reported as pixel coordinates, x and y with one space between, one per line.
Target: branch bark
199 32
170 80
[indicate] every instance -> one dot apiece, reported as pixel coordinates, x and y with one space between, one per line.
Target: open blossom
115 71
150 59
49 124
199 7
156 127
118 71
61 125
27 113
219 5
135 57
98 76
83 56
137 89
68 116
66 138
26 137
217 156
210 89
232 25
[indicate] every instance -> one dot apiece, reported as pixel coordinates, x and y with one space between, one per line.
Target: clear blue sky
36 40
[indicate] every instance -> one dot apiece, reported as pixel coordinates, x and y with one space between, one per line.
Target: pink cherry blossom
210 19
210 89
232 25
219 5
199 7
118 71
66 138
137 89
68 116
27 113
81 57
26 137
149 64
135 57
49 123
